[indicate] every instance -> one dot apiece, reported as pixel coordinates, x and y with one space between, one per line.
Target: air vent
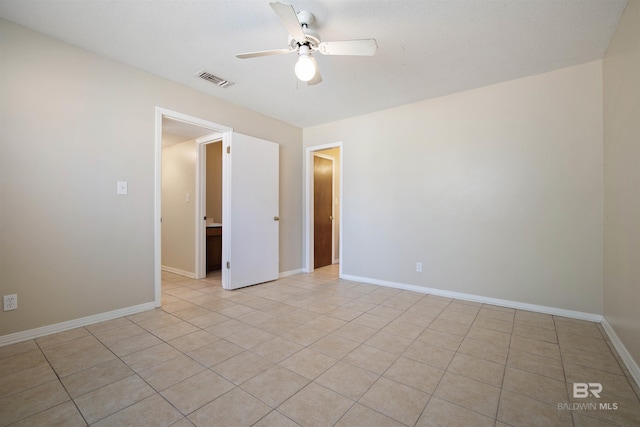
219 81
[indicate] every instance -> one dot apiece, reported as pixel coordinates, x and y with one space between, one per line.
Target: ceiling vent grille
218 81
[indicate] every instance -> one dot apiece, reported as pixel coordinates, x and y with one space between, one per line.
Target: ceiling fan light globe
305 68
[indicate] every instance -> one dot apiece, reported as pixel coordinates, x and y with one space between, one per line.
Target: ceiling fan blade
264 53
318 77
289 19
365 47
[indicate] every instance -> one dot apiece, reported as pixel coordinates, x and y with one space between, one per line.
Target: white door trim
308 204
160 113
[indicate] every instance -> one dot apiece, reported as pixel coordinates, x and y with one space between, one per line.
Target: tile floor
312 350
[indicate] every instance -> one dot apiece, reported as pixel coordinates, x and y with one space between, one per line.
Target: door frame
161 113
333 213
308 208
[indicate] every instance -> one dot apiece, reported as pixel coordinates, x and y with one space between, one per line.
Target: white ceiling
426 48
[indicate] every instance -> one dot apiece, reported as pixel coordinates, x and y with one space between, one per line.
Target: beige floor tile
591 344
207 320
276 419
175 330
345 314
152 411
371 359
530 362
372 321
118 322
112 398
497 313
347 380
494 324
440 413
18 348
533 332
450 326
441 339
275 385
77 355
325 323
308 363
387 342
215 353
249 337
415 374
21 361
334 346
361 416
489 336
614 384
242 367
423 351
62 337
477 369
112 335
471 394
518 410
193 341
536 347
568 326
600 361
484 350
621 412
171 372
32 401
235 408
177 305
538 320
535 386
403 328
395 400
134 344
63 415
388 312
93 378
25 379
305 335
277 349
315 406
196 391
228 327
359 305
144 359
158 322
580 420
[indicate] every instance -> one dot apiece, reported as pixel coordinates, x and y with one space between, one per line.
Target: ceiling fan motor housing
313 38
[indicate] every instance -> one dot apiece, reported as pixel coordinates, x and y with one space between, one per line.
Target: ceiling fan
304 41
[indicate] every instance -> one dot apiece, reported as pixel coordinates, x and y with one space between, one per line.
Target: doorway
323 232
323 182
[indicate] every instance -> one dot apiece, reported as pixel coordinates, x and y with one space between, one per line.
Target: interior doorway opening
323 230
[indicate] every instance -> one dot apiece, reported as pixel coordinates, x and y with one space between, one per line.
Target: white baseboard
477 298
178 271
631 364
290 273
75 323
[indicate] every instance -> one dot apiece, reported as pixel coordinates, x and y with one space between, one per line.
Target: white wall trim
178 271
477 298
289 273
631 364
72 324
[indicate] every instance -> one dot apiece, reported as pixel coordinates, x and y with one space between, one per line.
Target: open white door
250 211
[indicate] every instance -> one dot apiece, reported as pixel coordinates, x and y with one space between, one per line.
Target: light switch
122 187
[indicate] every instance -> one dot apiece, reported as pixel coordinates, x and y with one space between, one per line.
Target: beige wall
214 182
178 209
497 191
73 123
622 181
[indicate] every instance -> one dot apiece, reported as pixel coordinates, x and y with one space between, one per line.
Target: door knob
331 218
276 218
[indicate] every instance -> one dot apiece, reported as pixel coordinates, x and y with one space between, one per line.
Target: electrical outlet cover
10 302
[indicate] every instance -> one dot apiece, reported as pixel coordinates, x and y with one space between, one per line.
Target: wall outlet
419 267
10 302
